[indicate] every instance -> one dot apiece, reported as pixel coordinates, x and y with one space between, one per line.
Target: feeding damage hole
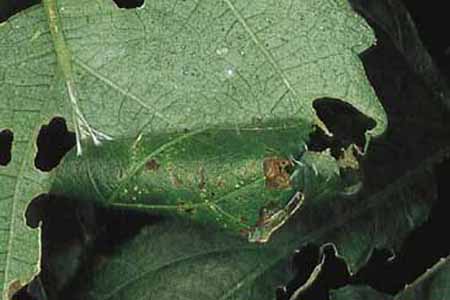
6 140
347 124
53 142
9 8
333 274
129 3
302 264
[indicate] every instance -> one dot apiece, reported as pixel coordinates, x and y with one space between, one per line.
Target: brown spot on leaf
14 287
152 165
276 173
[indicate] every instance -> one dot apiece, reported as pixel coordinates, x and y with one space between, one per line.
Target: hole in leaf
32 291
56 212
117 227
378 272
68 230
129 3
303 263
9 8
120 226
6 140
76 237
22 294
35 211
334 273
347 124
53 142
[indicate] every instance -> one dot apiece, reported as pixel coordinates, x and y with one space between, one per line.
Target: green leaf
432 285
173 259
195 175
172 66
236 68
25 103
175 65
205 264
19 183
354 225
381 217
167 66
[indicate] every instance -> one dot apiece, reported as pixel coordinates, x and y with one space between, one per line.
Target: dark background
423 247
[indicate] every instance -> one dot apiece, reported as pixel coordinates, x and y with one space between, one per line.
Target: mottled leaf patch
6 140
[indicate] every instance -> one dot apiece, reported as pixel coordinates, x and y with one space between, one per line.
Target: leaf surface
398 197
173 65
26 65
170 65
174 259
244 73
176 65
